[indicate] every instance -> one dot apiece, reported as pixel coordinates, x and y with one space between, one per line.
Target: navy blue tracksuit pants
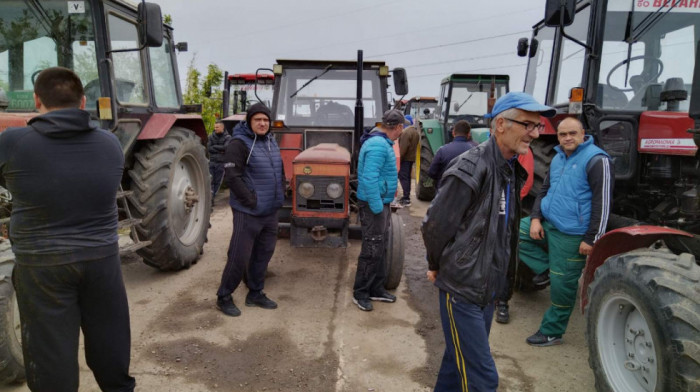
252 244
405 178
467 364
217 176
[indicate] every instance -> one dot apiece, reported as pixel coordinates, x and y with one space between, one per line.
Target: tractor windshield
469 101
329 101
39 34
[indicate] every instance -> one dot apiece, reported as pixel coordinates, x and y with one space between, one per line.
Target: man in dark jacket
216 145
255 177
462 142
64 173
471 235
408 144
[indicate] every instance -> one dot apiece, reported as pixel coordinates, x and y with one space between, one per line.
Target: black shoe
363 304
227 307
541 279
405 202
502 315
541 340
260 301
383 297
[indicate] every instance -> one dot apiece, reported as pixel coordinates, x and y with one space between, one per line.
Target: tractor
319 111
420 108
247 90
125 57
462 97
630 71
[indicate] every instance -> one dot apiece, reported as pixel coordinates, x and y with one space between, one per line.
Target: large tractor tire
11 360
172 196
542 152
425 186
395 248
643 323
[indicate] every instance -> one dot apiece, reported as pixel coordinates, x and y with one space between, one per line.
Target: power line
458 60
450 44
469 70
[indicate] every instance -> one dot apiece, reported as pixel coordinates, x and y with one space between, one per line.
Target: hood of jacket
63 123
376 131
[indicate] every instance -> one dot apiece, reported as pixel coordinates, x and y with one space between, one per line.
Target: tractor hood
330 153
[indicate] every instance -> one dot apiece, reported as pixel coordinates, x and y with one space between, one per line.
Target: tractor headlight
334 190
306 189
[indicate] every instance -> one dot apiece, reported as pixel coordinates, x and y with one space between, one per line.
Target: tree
208 92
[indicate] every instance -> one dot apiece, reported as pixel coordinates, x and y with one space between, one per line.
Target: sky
429 38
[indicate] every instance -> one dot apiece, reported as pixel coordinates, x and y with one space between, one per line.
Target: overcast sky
429 38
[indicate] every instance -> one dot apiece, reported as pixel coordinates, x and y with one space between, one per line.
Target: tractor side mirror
559 13
534 44
181 46
522 47
400 81
150 24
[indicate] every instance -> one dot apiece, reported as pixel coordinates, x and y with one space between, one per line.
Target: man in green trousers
569 215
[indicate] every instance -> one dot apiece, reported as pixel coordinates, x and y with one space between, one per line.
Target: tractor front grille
320 201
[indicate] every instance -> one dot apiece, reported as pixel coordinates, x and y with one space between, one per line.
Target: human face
393 133
512 136
570 134
219 128
260 124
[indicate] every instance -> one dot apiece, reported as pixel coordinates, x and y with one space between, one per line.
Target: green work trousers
565 264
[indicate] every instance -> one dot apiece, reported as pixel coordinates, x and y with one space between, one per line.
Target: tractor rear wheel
394 253
542 152
11 360
643 322
172 196
425 186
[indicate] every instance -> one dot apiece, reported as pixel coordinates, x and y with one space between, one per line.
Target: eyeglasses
528 125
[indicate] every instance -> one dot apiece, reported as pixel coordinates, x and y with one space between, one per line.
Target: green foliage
205 91
168 19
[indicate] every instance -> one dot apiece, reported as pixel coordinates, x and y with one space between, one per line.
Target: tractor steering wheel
35 74
644 81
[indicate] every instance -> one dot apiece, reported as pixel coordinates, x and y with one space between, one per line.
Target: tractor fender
620 241
160 123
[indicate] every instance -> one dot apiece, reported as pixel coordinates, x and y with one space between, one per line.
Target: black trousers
405 178
252 244
371 264
55 303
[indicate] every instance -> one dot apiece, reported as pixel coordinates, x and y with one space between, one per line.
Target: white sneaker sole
356 302
382 299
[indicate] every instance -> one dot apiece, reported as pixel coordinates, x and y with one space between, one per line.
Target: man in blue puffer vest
376 186
255 176
569 215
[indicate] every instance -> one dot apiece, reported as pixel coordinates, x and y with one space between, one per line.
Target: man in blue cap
471 237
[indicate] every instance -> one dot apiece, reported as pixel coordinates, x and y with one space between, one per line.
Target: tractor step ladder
130 222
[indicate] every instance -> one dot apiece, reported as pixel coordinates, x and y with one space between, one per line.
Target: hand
585 249
432 275
536 230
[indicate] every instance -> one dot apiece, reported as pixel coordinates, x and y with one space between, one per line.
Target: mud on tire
172 195
425 186
643 321
11 360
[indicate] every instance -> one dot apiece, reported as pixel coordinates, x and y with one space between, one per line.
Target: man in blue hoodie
254 174
64 173
376 186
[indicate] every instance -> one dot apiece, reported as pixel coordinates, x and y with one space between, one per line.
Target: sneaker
395 205
383 297
405 202
541 340
363 304
502 315
227 307
541 279
260 301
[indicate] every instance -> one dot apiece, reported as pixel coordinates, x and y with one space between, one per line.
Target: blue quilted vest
263 172
567 204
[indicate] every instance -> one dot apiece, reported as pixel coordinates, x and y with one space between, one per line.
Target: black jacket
460 229
216 145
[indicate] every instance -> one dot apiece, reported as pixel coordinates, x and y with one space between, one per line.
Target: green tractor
462 97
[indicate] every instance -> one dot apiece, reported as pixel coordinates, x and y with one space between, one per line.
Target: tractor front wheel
425 186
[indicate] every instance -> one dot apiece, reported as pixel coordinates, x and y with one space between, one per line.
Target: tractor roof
368 64
475 78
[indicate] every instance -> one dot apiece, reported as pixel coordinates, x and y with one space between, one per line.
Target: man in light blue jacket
377 178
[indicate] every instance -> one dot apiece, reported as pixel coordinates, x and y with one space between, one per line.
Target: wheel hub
191 198
640 348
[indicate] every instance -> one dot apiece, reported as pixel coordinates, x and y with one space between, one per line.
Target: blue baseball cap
522 101
409 118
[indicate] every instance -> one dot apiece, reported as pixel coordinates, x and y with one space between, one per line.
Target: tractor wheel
643 323
542 152
172 196
11 360
394 253
425 186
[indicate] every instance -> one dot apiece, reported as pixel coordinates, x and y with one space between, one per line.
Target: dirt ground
317 340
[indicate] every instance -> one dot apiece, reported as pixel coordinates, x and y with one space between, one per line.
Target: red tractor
247 90
126 58
630 71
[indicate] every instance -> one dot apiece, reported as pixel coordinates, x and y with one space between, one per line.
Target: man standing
64 173
408 144
461 132
376 177
216 146
255 177
569 215
470 235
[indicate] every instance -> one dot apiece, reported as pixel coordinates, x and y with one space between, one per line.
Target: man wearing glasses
470 234
569 215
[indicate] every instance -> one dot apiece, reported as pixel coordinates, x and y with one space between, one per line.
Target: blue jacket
447 153
567 204
262 173
376 170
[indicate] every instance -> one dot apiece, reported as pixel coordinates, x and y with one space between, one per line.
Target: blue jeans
467 364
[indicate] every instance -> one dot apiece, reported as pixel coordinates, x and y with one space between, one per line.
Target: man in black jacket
462 142
471 235
216 145
64 173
